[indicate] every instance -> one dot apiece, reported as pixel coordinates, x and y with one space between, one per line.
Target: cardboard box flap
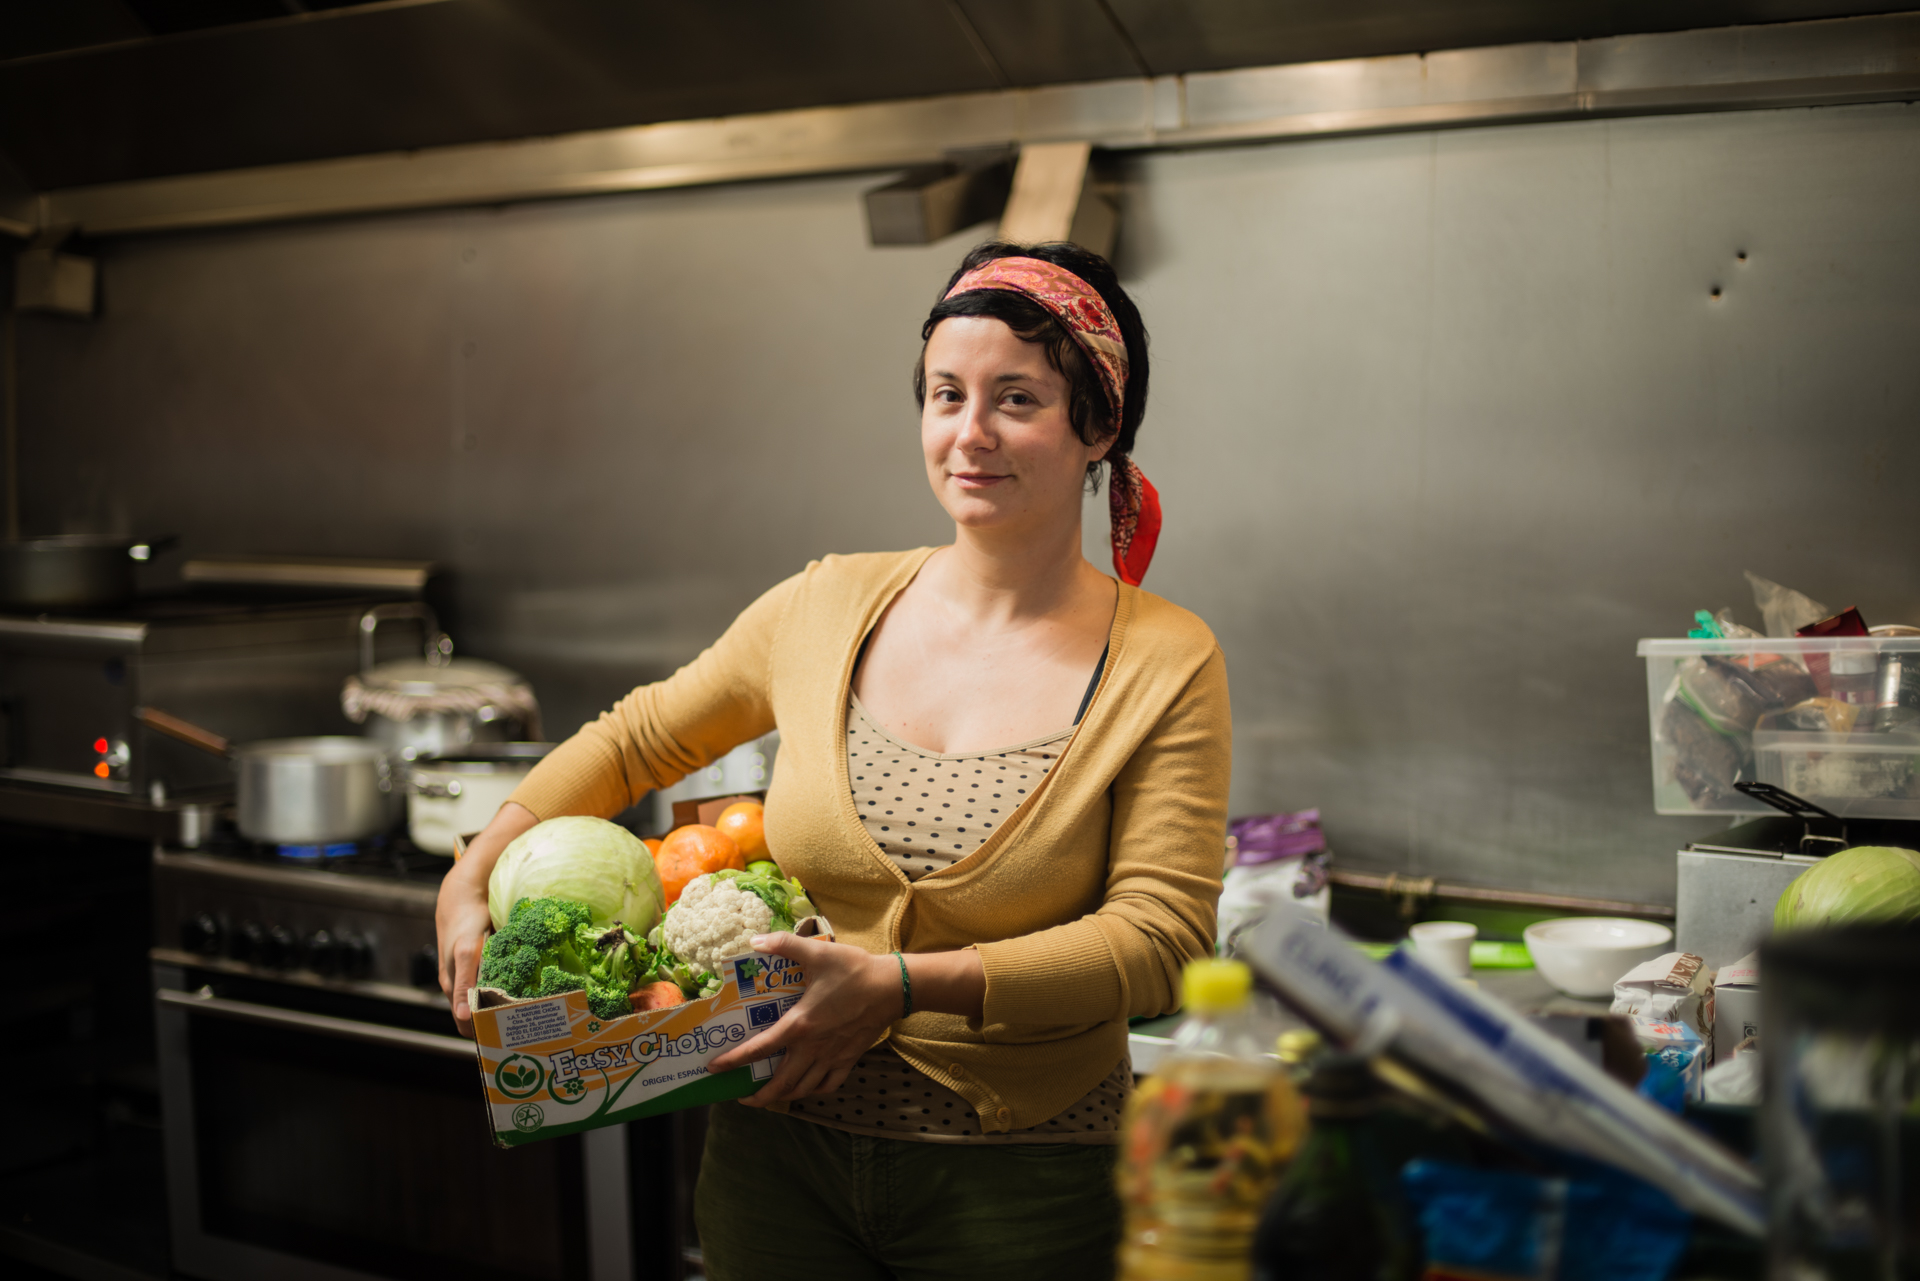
1744 972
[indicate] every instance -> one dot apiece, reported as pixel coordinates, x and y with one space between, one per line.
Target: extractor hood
95 91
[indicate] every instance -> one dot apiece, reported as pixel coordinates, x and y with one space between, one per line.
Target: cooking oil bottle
1208 1133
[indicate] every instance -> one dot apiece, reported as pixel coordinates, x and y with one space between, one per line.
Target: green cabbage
1866 883
588 860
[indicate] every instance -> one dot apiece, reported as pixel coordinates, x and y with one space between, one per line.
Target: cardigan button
954 1068
1003 1116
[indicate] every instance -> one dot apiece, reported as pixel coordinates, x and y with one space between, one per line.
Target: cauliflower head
713 920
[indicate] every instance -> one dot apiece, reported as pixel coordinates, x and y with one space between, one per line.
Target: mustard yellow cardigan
1084 906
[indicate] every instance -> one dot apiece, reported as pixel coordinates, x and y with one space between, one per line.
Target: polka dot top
886 1095
927 811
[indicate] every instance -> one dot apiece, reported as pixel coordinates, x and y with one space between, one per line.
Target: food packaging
549 1067
1676 1061
1736 1005
1675 988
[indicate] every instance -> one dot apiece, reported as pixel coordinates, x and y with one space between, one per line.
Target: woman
1003 779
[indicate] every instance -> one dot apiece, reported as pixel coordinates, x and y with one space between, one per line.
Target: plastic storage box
1834 720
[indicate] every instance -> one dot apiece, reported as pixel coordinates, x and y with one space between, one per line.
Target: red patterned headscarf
1132 502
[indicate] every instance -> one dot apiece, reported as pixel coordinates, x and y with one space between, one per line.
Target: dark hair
1088 409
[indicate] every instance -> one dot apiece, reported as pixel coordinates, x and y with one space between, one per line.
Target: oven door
336 1143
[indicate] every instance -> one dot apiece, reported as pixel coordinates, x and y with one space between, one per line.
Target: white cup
1446 946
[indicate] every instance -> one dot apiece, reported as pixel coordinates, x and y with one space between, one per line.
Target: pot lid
482 755
403 690
418 677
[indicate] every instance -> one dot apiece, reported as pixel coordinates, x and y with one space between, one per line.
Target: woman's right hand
461 918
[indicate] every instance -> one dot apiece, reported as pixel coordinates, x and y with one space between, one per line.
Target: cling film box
550 1067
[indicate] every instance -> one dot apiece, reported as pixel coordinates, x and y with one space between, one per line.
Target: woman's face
999 447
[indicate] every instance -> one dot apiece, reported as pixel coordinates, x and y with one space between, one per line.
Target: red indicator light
100 770
100 746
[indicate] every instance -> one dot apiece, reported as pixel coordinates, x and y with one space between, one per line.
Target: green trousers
781 1199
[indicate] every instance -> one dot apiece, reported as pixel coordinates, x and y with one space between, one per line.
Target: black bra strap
1085 699
1092 685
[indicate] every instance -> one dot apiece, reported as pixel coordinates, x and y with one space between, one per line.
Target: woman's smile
994 427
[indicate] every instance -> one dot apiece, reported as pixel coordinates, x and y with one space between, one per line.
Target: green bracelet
906 987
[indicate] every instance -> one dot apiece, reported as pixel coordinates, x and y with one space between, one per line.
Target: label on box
550 1067
535 1021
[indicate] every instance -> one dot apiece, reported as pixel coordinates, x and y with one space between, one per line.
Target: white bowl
1584 955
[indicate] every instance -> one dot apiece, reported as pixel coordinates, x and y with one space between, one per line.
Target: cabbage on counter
1865 883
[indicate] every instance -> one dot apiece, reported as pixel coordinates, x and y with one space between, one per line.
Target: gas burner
317 853
390 858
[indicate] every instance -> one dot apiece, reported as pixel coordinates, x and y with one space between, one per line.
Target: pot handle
439 646
186 731
146 547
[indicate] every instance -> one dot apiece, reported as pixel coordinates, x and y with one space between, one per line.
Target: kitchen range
317 1108
320 1113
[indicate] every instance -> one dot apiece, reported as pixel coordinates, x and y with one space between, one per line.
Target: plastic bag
1815 716
1735 1081
1274 859
1732 630
1598 1224
1785 610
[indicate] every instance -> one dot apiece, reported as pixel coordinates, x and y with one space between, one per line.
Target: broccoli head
608 954
550 945
539 932
607 1001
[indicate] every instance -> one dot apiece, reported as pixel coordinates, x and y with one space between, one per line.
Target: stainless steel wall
1443 423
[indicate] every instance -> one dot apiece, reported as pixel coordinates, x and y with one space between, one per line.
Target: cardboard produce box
549 1067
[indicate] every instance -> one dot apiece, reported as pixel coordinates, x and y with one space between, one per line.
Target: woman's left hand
850 999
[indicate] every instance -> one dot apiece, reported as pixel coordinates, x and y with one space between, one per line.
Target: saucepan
68 571
454 796
324 790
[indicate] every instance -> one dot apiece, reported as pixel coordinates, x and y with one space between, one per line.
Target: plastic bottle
1208 1134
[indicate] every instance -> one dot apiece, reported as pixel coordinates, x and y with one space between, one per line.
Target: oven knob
278 953
356 956
323 954
202 934
248 944
425 968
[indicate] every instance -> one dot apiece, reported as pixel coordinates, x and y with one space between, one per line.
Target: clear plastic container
1786 712
1208 1135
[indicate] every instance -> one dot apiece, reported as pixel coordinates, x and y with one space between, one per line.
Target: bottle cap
1214 987
1297 1045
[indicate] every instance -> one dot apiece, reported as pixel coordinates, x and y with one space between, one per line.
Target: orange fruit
657 996
746 823
652 843
691 851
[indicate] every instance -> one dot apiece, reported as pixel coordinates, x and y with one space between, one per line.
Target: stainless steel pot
67 571
312 791
298 791
458 795
436 705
